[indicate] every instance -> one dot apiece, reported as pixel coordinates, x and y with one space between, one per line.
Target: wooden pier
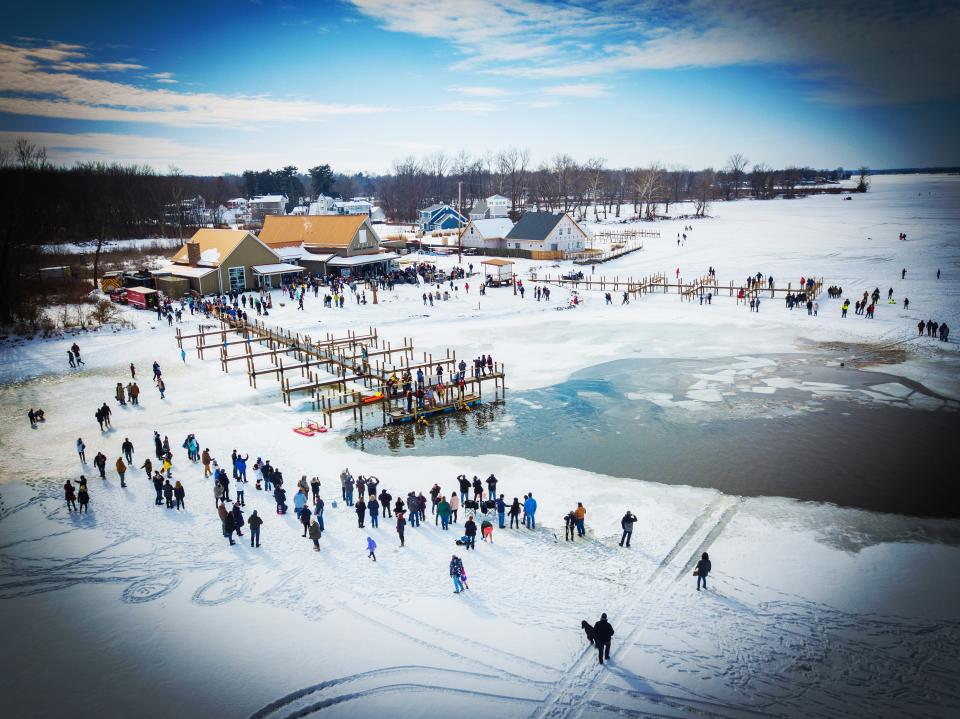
688 290
351 373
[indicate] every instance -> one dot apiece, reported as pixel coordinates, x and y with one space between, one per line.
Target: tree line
41 203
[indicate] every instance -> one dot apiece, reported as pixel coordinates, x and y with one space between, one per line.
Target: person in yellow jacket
578 514
121 470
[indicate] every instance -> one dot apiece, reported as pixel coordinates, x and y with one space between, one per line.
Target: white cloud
68 149
481 91
31 86
163 77
851 52
577 90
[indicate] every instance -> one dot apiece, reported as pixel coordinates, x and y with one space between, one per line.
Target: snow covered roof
497 262
494 227
277 268
497 198
215 245
362 259
269 198
291 252
183 271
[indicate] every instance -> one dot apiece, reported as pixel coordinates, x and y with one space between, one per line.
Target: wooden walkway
354 372
688 290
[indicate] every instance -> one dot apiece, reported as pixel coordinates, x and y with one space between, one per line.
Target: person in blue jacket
530 509
371 549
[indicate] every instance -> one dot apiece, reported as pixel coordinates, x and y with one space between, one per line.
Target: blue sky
223 86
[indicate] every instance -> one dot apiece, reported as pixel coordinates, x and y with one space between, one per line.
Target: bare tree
594 168
703 189
29 155
863 184
735 166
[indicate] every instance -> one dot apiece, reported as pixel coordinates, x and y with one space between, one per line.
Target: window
363 238
238 278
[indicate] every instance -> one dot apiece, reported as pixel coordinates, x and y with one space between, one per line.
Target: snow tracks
575 690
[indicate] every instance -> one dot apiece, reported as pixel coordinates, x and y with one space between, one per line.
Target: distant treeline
41 203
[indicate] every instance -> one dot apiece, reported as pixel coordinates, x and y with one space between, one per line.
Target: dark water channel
825 434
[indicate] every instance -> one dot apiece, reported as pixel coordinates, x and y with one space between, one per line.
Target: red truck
142 298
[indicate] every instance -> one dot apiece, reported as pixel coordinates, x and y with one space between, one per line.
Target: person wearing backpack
456 573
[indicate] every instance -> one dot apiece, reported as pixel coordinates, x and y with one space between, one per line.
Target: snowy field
813 610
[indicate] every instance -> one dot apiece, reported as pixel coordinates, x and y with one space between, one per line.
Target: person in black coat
470 530
385 499
228 527
361 509
703 570
602 636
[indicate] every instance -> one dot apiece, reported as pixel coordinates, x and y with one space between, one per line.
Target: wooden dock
346 373
688 290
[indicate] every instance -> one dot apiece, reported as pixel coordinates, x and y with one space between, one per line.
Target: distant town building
489 234
548 232
440 217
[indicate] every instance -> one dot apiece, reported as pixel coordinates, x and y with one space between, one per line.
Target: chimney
193 253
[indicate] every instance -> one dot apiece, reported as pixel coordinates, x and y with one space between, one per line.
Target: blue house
441 217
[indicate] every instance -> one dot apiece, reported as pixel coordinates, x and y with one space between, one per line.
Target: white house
546 231
352 207
264 205
497 206
489 234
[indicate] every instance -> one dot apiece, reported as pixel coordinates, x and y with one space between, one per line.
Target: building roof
535 226
320 230
498 262
277 268
215 246
494 227
183 271
497 197
362 259
269 198
479 207
293 252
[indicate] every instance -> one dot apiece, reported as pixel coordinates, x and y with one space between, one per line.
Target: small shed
498 272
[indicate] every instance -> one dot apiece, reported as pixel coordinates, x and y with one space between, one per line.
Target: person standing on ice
569 526
371 549
70 494
168 494
373 506
179 493
361 510
127 448
122 471
704 568
70 359
81 450
603 635
501 508
629 519
454 506
515 514
530 509
105 411
470 532
401 523
580 514
76 348
443 513
237 518
456 573
255 522
83 496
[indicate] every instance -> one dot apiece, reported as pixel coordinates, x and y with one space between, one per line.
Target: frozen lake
792 426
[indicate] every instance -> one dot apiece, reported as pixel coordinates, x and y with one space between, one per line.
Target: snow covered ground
813 610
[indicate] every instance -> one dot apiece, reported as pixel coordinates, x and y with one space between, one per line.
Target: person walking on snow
371 549
121 470
70 494
629 519
703 570
456 572
602 636
127 448
82 450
